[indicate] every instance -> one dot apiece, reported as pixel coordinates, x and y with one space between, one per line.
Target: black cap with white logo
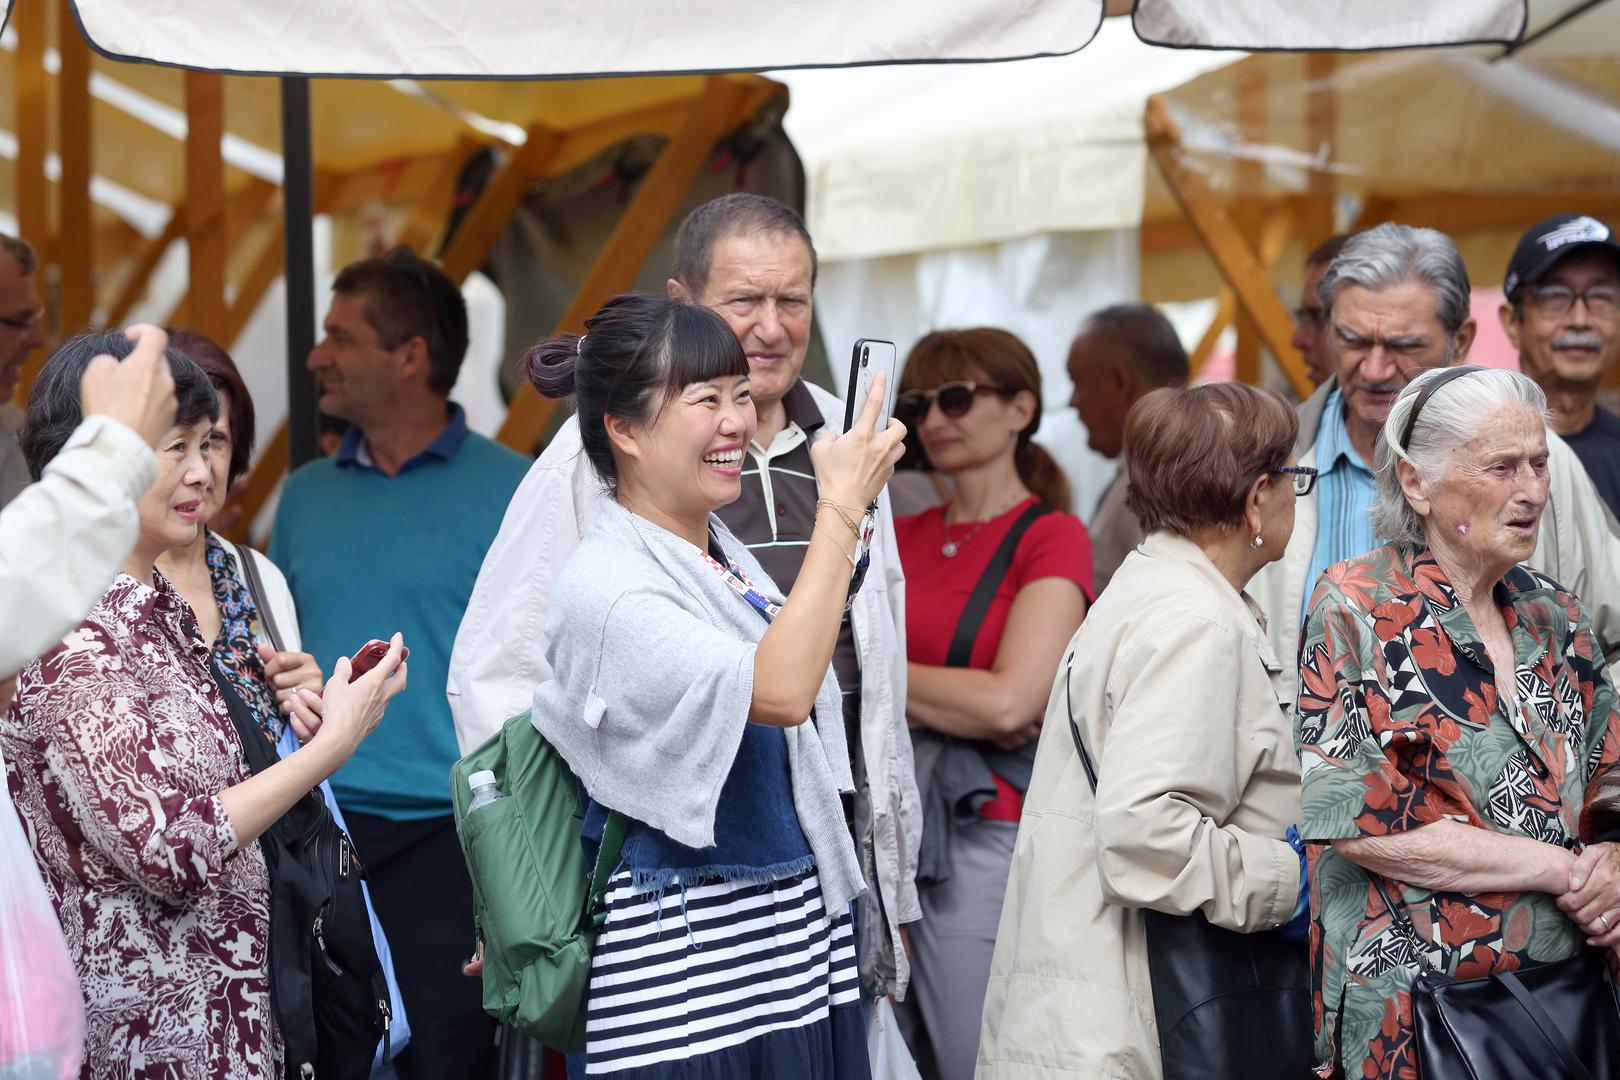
1546 243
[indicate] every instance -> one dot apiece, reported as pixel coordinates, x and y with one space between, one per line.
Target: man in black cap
1562 312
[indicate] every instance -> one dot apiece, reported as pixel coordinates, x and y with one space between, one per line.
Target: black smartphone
870 357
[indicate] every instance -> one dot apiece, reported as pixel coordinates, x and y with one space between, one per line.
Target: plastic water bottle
484 790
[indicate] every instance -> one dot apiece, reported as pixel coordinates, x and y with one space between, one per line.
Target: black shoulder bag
1228 1004
326 982
1555 1021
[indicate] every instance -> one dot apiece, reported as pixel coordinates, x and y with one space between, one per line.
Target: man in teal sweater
387 535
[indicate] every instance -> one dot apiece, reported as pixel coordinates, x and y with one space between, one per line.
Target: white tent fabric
1328 24
956 196
518 39
515 39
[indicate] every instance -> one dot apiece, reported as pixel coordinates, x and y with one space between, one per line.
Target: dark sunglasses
955 399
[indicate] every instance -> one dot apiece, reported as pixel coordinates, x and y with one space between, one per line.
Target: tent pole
298 212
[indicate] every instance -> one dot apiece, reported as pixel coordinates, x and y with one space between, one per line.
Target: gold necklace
951 547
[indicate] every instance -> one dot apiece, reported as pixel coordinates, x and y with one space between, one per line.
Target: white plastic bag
41 1009
887 1051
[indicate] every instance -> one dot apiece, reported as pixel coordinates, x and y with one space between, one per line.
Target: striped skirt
721 980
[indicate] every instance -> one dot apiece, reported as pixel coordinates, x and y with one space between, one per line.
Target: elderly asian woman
1184 796
1456 725
132 787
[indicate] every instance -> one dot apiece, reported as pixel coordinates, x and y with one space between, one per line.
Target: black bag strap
978 605
255 584
1538 1016
1074 728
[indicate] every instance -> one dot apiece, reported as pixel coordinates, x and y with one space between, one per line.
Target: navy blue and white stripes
692 971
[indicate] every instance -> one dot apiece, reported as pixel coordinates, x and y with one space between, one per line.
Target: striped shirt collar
1333 444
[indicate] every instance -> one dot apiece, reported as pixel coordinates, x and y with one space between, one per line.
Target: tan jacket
1181 704
1579 546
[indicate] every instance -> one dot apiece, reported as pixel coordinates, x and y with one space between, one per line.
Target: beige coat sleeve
63 539
1176 760
1579 545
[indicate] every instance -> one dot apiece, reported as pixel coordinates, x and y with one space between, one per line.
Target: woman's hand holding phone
287 672
338 720
853 467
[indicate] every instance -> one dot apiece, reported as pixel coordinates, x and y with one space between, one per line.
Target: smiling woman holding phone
692 698
131 784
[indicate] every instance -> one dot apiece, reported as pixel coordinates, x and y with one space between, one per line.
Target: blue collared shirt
1344 498
354 451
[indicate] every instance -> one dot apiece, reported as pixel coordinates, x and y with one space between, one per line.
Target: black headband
1427 392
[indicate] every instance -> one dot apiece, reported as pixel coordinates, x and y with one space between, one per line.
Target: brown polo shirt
777 513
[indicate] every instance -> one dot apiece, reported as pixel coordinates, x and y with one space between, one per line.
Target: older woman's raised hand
339 720
1593 899
853 467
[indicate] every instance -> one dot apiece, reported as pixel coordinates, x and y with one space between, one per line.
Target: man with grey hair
1122 352
22 330
749 258
1397 300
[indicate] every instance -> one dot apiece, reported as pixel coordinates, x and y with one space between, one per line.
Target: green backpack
537 906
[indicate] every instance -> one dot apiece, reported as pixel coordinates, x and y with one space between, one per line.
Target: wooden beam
1242 269
261 274
262 480
644 222
1204 351
1248 210
29 18
243 208
205 204
493 211
1462 212
76 232
1321 132
146 263
430 214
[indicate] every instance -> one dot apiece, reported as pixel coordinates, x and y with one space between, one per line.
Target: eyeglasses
955 399
26 321
1304 477
1311 316
1601 300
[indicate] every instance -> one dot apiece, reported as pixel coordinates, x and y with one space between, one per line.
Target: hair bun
552 364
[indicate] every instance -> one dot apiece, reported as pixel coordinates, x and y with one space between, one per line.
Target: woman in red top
980 665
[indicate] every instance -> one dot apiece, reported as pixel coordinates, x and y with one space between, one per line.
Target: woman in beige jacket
1181 704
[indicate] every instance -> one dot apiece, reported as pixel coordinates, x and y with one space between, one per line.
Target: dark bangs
698 347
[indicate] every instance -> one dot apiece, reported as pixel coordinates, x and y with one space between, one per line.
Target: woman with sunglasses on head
997 580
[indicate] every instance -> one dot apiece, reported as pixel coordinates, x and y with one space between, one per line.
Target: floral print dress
1400 725
117 746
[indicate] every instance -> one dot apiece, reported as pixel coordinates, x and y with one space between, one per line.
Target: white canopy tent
1006 195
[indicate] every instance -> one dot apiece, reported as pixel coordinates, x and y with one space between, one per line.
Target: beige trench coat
1180 701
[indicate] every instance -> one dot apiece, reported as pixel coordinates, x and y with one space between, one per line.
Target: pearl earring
1259 541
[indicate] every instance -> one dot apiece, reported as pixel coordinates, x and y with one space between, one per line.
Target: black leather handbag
1227 1004
1555 1021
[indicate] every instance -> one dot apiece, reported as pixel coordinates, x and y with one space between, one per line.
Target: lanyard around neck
743 587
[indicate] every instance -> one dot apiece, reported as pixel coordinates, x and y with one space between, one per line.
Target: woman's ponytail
552 363
1041 473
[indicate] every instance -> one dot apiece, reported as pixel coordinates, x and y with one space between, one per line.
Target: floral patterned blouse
1400 725
236 650
117 745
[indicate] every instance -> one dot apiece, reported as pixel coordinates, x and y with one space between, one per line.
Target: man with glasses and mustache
22 330
1562 312
1397 304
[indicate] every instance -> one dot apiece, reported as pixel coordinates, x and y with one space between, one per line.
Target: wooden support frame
75 233
146 264
205 307
428 217
1321 133
713 114
1248 212
1237 261
30 19
494 209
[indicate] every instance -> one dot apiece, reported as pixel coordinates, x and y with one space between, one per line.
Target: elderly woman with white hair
1457 728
